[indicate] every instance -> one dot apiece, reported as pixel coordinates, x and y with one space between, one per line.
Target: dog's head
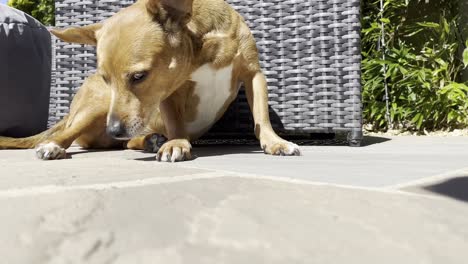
143 55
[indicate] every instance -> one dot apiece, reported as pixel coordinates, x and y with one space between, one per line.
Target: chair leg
355 138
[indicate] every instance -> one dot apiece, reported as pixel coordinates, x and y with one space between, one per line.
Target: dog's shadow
201 151
79 151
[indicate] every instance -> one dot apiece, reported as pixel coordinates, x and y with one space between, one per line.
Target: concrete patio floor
394 200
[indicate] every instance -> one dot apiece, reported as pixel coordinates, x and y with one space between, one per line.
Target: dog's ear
177 10
81 35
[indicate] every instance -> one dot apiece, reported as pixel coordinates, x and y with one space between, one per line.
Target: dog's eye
138 77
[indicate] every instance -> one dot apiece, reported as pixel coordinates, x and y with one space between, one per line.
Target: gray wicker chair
309 50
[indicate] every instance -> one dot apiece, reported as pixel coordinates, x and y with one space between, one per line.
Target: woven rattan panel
309 50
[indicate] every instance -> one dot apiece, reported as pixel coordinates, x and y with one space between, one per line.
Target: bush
42 10
423 46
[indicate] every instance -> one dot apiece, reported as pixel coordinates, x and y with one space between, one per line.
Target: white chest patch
213 88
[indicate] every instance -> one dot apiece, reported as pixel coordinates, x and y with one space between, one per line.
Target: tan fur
166 41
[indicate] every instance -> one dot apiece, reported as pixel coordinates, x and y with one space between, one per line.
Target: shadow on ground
70 154
214 150
313 140
219 147
207 147
456 188
372 140
209 151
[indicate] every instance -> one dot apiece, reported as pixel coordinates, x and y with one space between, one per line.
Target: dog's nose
115 128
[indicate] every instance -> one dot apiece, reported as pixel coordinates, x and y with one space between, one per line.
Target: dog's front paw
50 151
175 150
282 148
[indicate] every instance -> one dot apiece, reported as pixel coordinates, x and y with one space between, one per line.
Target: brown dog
164 66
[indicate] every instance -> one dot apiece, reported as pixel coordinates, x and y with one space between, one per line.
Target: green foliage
423 62
42 10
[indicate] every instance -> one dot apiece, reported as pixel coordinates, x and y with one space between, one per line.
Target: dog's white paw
50 151
174 150
282 148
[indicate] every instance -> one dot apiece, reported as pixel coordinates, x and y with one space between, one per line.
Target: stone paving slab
232 219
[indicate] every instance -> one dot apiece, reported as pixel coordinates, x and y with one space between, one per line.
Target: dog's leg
257 96
85 127
55 146
178 147
137 143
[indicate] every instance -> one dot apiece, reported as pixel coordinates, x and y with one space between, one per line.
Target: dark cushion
25 72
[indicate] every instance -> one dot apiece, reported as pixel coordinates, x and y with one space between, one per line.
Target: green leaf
420 121
385 20
446 25
428 24
416 118
414 32
465 57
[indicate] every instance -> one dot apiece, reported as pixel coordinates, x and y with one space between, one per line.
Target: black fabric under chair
25 73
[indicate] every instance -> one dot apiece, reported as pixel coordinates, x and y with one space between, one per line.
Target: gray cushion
25 70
